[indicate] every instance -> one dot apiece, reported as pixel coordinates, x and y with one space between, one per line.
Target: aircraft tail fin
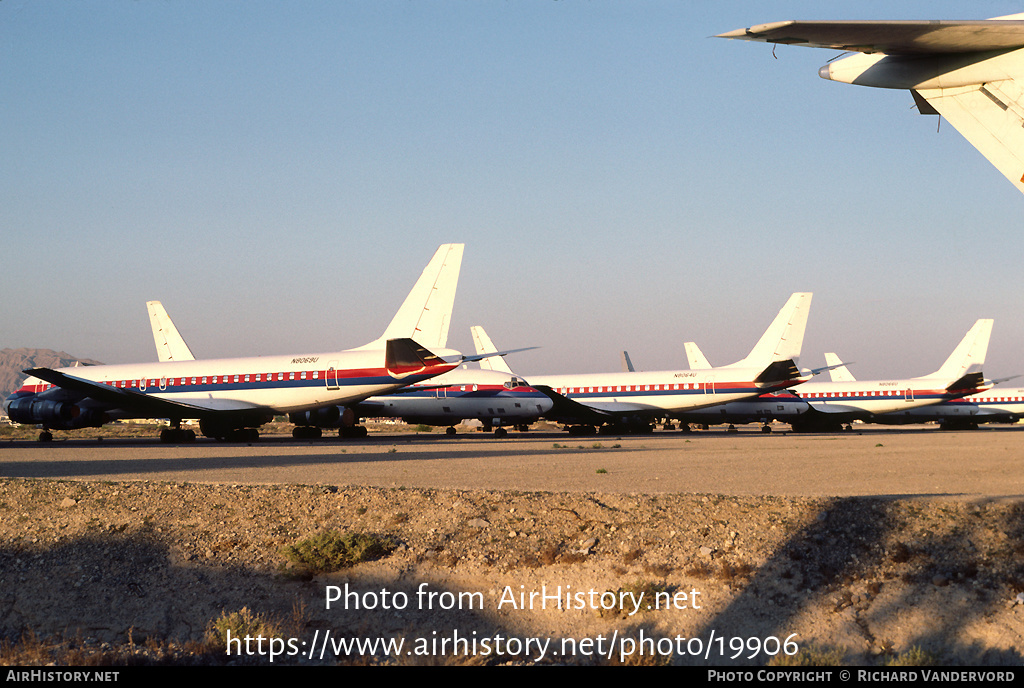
696 357
170 346
783 338
426 313
838 369
483 345
989 115
969 355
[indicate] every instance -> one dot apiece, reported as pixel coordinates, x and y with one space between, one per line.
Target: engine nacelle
58 415
325 417
32 411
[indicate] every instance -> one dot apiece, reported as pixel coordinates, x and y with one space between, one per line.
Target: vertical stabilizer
783 338
840 373
484 345
696 357
426 313
170 346
969 355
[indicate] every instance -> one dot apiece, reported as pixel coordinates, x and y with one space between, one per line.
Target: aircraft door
709 385
331 376
908 395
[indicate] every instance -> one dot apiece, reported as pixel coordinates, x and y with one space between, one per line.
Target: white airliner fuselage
233 396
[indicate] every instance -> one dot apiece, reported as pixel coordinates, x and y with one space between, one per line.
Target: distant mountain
13 361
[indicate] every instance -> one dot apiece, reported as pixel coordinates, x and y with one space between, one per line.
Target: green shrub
332 551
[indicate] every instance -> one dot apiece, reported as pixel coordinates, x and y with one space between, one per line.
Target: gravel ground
138 570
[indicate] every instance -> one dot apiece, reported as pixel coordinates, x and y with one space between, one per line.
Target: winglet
969 355
627 365
783 338
170 346
426 313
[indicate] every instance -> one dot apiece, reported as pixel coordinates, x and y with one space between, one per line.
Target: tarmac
919 461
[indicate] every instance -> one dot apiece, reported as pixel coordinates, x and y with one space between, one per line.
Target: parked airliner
970 72
632 400
233 397
779 405
833 404
992 406
495 397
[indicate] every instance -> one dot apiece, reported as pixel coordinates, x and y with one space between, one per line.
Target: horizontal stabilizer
968 384
778 372
403 357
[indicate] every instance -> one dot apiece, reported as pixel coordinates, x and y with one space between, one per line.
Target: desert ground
871 547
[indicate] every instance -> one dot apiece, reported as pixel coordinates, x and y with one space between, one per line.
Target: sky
279 173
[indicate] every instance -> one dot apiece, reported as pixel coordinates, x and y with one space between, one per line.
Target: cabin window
302 375
291 376
316 374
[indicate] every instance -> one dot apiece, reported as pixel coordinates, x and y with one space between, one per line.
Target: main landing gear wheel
500 432
306 432
450 431
177 436
46 436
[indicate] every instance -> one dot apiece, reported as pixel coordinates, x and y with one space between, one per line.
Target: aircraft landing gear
177 435
307 432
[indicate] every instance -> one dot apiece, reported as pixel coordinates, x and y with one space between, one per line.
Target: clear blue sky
278 173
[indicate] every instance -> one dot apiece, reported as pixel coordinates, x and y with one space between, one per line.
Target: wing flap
991 117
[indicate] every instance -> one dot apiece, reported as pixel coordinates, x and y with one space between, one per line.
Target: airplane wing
565 408
145 404
966 71
891 37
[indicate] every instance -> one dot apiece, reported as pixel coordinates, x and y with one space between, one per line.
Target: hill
13 361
